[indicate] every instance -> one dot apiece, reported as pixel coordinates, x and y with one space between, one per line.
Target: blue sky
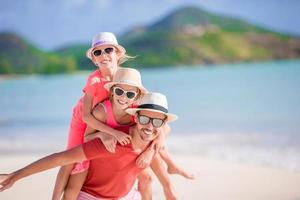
53 23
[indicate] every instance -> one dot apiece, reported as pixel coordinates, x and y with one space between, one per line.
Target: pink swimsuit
110 118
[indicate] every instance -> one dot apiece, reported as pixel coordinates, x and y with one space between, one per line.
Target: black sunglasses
99 52
156 122
129 94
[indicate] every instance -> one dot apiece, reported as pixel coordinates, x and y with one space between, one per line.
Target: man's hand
6 181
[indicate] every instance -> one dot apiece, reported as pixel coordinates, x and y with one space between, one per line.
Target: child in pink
106 54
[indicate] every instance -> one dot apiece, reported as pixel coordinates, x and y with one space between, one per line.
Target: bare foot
181 172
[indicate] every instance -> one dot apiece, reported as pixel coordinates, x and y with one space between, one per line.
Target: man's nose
149 126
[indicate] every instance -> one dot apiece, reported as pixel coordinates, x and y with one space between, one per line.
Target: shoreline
246 149
204 66
234 181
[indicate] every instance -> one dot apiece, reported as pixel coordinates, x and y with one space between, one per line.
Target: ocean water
247 112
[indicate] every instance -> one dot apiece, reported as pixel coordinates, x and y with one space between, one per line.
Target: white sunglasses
129 94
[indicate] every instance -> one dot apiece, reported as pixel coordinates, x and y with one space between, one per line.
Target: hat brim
107 86
118 47
170 117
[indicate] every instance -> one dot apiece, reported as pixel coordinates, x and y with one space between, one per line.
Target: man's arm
48 162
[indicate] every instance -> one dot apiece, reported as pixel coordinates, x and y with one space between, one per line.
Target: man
111 176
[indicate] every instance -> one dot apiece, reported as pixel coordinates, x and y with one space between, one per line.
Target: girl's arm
96 124
48 162
159 142
107 139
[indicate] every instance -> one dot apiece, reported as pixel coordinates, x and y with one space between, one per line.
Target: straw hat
127 76
155 102
105 39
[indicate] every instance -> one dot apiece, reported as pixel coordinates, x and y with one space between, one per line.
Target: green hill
187 36
191 36
192 17
18 56
77 52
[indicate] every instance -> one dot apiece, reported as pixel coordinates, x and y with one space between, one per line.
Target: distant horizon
25 20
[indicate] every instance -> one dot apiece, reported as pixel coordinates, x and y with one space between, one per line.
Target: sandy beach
215 180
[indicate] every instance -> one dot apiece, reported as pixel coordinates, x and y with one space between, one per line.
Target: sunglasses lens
109 50
157 122
130 95
119 91
97 52
143 119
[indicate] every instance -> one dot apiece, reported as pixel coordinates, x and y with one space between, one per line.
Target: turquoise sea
247 112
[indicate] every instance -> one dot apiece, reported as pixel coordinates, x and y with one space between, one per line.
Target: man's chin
148 138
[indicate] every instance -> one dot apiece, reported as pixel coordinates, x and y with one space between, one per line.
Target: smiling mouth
105 61
148 132
122 102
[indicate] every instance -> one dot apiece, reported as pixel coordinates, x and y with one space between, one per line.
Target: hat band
98 43
154 107
129 82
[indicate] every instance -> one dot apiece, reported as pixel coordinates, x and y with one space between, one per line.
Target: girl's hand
109 142
158 143
122 138
6 181
144 160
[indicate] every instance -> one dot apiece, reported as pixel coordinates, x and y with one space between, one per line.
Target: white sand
220 180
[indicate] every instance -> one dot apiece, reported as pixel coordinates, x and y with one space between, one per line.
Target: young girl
106 54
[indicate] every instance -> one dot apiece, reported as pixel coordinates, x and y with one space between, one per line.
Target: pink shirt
94 87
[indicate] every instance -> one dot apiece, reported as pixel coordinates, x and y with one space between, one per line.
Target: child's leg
172 167
144 184
158 167
61 181
74 185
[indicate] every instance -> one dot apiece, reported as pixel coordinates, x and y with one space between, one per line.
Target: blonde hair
124 58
